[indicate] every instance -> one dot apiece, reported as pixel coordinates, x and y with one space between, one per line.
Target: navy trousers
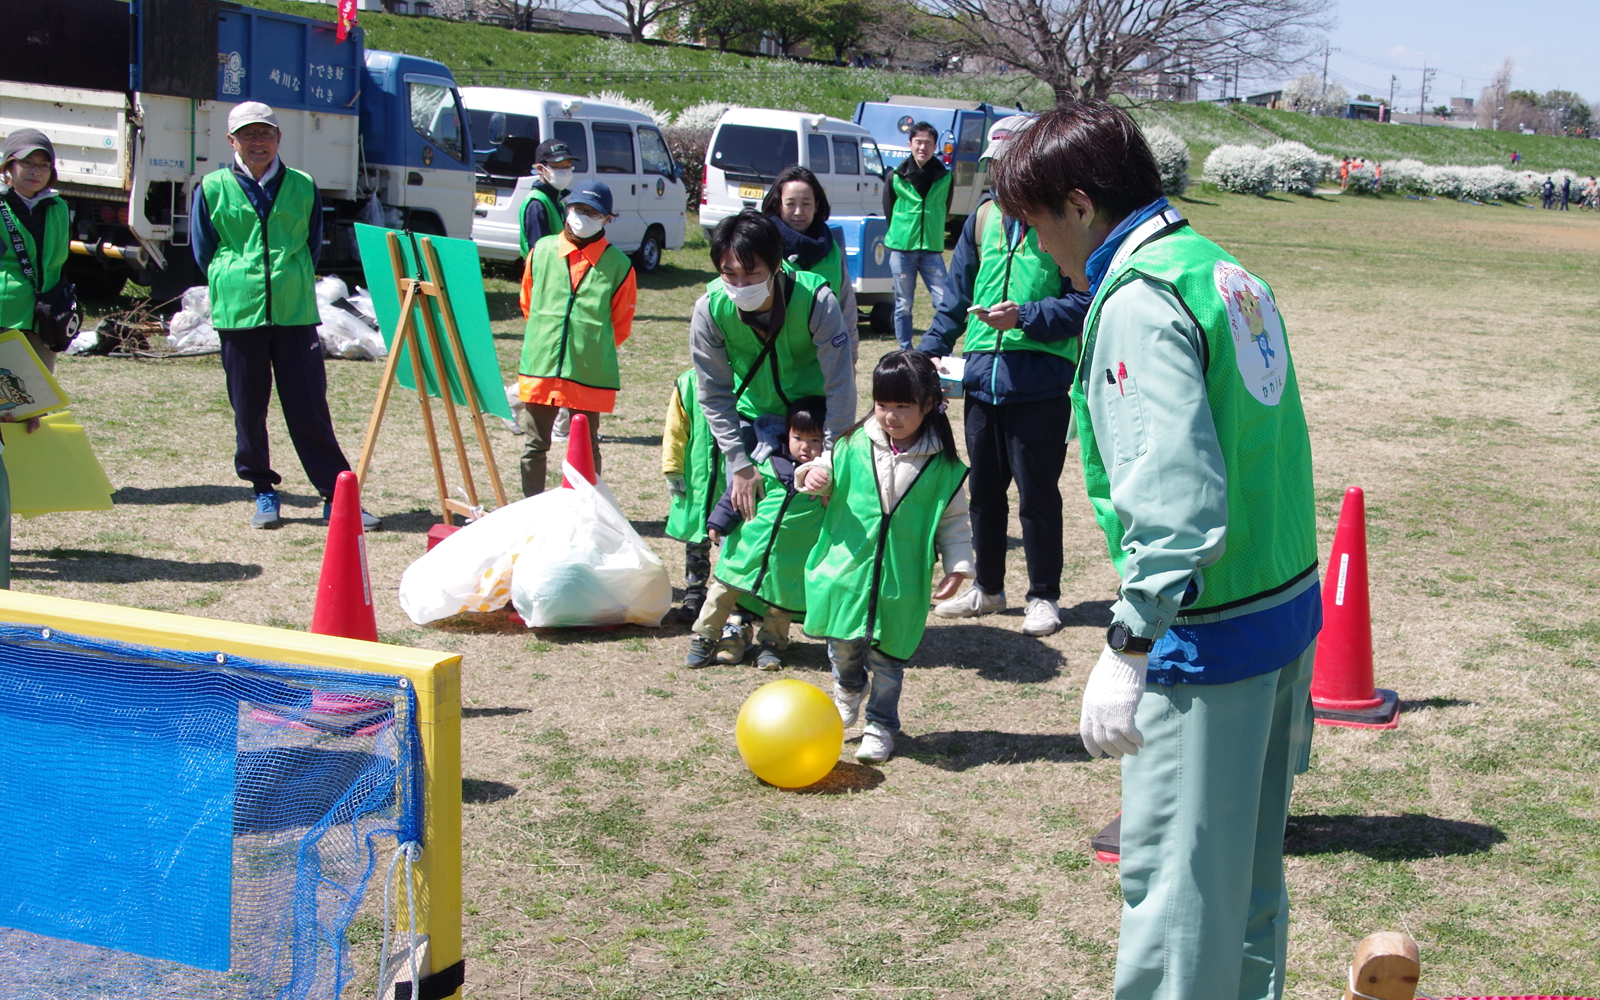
1025 442
291 356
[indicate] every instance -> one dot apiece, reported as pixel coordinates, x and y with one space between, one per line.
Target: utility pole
1427 74
1393 82
1325 51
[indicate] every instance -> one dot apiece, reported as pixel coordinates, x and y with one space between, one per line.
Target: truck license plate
754 192
483 197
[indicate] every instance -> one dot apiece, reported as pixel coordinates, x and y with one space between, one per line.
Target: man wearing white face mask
579 293
542 210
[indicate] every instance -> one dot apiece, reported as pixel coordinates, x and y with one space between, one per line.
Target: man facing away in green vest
1198 465
257 233
916 201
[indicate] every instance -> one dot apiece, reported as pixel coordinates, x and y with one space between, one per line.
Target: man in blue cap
578 292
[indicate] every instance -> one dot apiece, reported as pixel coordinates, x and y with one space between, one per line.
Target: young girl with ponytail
897 498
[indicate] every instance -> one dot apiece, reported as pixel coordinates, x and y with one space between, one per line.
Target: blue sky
1551 46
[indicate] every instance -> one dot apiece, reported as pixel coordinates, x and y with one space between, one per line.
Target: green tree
786 23
725 21
840 25
1569 113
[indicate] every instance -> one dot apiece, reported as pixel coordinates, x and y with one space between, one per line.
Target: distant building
1371 111
1461 107
1161 84
1270 99
490 12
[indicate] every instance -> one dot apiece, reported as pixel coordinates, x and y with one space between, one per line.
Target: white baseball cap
249 113
1003 130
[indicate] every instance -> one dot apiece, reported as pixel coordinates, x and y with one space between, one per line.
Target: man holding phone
1022 320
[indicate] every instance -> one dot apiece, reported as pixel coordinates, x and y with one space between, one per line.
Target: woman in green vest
897 498
1197 462
33 240
799 206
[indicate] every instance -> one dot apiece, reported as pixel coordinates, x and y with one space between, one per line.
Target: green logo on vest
1257 330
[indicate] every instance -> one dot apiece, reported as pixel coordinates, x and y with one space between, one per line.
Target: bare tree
519 14
1492 101
1094 48
639 15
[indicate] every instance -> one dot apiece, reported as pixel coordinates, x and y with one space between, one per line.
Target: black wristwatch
1120 637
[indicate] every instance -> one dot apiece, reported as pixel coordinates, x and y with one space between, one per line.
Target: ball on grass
789 733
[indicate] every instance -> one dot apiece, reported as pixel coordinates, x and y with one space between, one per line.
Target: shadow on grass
845 777
486 713
476 792
1407 837
95 566
670 276
962 750
1418 704
995 653
1197 201
202 496
645 440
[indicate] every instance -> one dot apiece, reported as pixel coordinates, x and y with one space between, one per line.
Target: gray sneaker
267 510
877 744
1043 617
767 657
971 604
700 650
848 703
731 647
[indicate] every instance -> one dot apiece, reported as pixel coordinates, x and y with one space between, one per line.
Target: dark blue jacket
999 377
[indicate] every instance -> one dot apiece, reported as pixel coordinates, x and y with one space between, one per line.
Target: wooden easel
411 290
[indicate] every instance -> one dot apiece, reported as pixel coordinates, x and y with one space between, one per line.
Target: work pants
1205 912
290 356
1026 442
537 420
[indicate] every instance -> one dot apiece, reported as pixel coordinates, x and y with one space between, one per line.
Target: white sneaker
848 703
877 744
1043 617
971 604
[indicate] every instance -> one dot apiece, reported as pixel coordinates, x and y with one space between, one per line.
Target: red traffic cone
344 594
1341 681
580 449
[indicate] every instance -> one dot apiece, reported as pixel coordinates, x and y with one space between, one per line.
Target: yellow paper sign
54 468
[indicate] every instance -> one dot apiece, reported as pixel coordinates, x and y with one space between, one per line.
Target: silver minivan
617 145
751 146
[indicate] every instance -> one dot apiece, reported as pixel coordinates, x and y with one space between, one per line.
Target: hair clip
943 406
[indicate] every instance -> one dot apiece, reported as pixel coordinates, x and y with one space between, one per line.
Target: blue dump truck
963 127
383 133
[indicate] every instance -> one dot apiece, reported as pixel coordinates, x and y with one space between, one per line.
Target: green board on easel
463 281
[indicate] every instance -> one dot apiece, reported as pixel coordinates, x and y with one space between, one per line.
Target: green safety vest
871 571
261 275
774 379
913 227
766 555
1011 273
702 471
552 216
17 294
831 268
569 334
1254 398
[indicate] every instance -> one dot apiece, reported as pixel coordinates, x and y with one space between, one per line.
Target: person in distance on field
916 201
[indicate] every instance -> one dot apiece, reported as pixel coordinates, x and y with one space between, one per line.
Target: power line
1397 67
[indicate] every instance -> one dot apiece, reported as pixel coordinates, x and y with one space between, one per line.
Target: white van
617 145
751 146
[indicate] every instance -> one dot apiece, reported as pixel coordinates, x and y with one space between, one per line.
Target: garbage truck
137 108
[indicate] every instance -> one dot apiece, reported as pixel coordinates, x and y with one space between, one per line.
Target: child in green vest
692 463
765 556
898 497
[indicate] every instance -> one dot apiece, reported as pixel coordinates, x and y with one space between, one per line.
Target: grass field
616 846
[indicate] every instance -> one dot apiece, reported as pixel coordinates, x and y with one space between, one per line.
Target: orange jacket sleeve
623 303
525 293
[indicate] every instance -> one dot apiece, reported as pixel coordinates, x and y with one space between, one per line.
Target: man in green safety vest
1020 319
257 233
543 211
1198 465
916 201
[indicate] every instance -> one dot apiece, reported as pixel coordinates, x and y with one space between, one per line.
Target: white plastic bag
589 567
564 557
190 330
344 333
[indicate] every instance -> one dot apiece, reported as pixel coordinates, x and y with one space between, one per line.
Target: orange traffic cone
580 449
344 594
1341 681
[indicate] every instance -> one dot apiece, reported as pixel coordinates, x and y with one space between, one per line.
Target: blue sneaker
267 508
368 521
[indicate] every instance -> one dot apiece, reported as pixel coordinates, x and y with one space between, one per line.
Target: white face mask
748 297
560 177
583 226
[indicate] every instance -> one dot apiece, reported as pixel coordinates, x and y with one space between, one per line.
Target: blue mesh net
189 825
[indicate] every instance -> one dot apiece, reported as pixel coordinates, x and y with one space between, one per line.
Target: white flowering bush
1242 170
1172 158
622 100
1297 168
1402 176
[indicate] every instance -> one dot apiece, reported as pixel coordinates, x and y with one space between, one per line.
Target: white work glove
1109 701
677 486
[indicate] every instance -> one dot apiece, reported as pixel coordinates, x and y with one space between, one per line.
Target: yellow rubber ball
789 733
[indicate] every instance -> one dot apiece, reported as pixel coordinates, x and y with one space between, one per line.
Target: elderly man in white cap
257 233
1022 321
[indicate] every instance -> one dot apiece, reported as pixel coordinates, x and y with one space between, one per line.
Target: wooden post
1385 968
